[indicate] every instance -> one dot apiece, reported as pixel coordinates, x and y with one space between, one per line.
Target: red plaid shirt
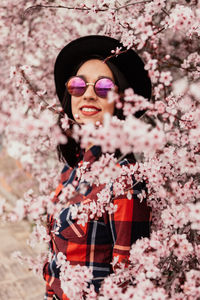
99 241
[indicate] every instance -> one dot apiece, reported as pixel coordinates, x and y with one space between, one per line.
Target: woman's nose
90 93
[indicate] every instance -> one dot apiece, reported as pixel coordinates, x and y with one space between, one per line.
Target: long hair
71 151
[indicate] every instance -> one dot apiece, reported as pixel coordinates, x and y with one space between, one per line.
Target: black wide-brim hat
77 51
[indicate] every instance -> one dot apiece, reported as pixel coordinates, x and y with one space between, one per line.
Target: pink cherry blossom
166 78
165 140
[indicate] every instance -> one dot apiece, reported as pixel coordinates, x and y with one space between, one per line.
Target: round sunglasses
76 86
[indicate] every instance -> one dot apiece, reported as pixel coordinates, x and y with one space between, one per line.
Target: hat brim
77 51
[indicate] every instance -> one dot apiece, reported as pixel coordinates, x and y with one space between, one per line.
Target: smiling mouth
89 110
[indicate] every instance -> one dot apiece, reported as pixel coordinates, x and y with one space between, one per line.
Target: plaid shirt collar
91 155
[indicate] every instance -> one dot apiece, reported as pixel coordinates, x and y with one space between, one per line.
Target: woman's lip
90 106
89 110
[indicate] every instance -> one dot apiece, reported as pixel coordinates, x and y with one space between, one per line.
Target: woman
85 70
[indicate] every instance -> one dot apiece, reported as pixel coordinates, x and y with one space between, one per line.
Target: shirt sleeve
130 222
49 293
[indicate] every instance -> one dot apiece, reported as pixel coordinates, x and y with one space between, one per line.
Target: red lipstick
89 110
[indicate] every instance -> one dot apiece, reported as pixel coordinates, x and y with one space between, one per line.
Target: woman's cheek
74 108
110 108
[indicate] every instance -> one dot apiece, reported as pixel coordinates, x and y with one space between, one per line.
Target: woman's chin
85 121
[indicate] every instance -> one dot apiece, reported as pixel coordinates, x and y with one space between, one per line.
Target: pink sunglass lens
103 86
76 86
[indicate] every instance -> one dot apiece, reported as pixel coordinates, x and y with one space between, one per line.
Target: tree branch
133 3
38 7
46 104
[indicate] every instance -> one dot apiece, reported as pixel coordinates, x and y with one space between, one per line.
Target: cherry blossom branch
178 267
134 3
164 10
114 55
38 7
42 98
178 118
36 93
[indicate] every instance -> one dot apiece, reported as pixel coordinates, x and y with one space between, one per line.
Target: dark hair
71 151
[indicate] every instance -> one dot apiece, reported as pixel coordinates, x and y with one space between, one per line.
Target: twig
160 30
178 118
133 3
164 10
35 92
36 7
115 54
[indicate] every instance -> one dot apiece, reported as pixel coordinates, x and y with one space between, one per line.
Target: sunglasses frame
89 83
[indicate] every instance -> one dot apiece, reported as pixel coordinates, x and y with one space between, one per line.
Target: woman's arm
49 293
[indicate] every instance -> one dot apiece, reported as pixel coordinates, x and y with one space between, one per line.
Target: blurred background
16 281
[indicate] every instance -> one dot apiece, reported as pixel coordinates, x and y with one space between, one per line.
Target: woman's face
90 108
